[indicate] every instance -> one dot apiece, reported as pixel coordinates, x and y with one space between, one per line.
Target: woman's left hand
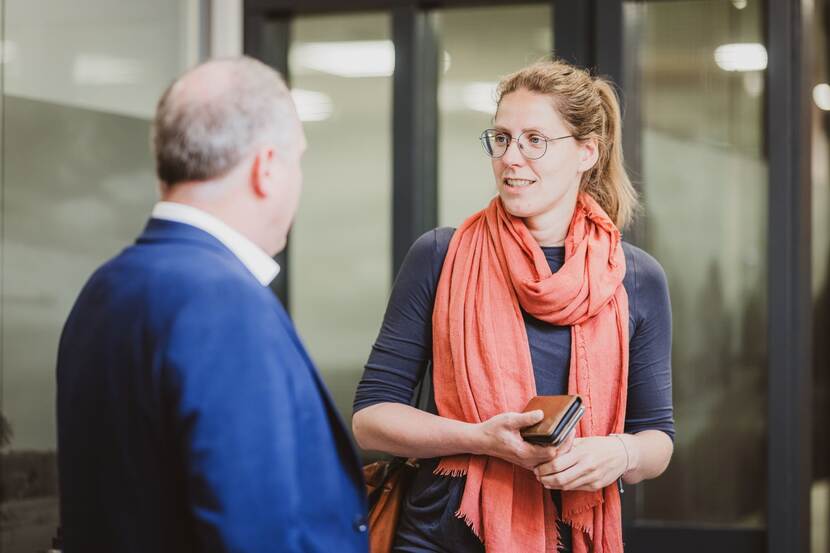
591 464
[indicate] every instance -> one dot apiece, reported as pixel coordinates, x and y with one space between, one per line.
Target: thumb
522 420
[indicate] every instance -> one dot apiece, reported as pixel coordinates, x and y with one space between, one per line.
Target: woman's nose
513 154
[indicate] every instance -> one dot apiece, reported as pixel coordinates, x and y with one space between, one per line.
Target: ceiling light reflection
741 57
821 96
468 96
8 51
353 59
97 69
312 105
480 96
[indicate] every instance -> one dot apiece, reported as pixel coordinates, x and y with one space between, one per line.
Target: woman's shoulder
432 245
422 266
643 267
646 284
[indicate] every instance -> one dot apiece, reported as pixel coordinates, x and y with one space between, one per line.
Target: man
190 417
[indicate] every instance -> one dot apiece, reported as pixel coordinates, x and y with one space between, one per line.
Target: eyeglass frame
516 139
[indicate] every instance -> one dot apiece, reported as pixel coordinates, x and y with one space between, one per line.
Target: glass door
339 257
698 71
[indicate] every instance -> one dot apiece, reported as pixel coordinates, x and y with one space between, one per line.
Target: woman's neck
551 227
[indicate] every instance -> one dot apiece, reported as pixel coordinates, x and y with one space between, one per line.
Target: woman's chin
517 209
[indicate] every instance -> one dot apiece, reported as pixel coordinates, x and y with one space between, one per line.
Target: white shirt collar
255 260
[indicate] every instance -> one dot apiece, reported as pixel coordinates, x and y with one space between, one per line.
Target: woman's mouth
517 183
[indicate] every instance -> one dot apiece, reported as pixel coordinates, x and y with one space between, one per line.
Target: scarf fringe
560 543
457 473
582 528
576 512
576 525
470 524
453 473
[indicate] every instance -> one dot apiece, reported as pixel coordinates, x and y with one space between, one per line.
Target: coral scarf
482 367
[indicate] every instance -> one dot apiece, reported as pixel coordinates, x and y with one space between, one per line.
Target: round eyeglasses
532 144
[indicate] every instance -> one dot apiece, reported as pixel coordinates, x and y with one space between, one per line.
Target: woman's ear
588 154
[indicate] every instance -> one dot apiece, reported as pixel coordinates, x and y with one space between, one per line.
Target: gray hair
209 119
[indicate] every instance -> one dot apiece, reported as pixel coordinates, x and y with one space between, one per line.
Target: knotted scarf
482 367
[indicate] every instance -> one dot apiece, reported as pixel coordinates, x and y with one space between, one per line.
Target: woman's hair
590 108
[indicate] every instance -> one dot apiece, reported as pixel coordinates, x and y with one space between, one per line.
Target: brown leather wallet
561 415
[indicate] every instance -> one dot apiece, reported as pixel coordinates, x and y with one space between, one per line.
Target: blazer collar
165 230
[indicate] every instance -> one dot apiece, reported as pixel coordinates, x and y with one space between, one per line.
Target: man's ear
588 154
263 171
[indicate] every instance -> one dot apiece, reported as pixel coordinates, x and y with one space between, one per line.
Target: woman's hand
591 464
500 438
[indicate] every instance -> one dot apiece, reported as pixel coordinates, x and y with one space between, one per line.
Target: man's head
227 140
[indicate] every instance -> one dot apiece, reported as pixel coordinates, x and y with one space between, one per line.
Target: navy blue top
403 350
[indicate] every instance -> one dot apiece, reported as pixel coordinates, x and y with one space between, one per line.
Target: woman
534 295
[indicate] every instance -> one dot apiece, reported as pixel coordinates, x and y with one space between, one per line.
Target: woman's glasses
532 144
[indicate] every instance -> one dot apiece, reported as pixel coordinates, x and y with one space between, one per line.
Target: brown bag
386 485
388 481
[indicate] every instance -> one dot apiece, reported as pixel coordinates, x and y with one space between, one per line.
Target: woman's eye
501 139
535 139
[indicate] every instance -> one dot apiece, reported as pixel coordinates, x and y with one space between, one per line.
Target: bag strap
424 396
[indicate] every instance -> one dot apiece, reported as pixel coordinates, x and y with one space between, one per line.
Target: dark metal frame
789 272
415 129
591 33
205 32
693 539
305 7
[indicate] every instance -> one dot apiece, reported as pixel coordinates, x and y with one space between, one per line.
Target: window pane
81 80
340 246
704 180
473 65
821 276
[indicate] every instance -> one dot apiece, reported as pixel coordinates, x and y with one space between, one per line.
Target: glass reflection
340 245
704 181
80 82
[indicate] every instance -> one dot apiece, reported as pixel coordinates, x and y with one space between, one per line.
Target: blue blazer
190 417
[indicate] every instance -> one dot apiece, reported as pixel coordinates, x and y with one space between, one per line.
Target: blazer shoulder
167 278
183 261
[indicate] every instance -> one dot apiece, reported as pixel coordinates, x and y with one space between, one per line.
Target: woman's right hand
500 438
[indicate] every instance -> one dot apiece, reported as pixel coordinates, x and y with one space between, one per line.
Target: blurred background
393 96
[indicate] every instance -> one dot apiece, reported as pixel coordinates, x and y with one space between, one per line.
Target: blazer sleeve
230 396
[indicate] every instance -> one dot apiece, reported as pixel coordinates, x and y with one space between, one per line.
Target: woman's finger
562 480
559 464
587 482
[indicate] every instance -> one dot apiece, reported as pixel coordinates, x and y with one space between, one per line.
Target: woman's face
532 187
